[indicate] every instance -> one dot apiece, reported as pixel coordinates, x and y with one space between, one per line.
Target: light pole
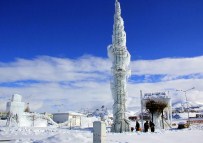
185 92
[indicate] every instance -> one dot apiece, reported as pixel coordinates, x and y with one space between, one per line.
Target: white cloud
54 69
168 66
47 82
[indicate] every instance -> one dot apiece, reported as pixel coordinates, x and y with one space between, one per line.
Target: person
17 119
146 126
152 126
132 129
137 126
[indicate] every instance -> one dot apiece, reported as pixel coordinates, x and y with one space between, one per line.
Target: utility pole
186 99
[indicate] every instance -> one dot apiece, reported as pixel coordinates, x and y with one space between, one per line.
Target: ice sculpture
15 106
120 58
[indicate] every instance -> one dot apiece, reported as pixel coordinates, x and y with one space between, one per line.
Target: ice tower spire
117 8
119 35
120 58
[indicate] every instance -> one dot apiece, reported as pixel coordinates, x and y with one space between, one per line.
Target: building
73 118
167 112
3 115
120 58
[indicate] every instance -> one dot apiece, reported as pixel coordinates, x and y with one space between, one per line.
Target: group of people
147 125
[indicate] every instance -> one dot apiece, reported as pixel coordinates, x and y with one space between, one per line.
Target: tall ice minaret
120 58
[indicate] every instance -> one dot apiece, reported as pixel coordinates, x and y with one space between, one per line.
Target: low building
167 112
3 115
73 118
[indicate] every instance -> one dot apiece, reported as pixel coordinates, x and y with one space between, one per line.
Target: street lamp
185 91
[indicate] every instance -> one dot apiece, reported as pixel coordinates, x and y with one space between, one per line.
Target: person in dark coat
146 126
137 126
152 126
132 129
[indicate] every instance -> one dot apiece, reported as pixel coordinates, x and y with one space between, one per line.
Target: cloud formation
52 84
170 68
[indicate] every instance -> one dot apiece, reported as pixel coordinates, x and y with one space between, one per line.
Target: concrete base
99 133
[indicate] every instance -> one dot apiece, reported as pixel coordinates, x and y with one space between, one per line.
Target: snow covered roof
155 95
70 112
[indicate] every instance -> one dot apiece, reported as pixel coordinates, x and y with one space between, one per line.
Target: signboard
156 93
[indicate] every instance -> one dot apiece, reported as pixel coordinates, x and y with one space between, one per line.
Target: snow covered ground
64 135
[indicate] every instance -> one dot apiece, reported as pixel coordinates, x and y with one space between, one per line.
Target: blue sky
72 28
54 52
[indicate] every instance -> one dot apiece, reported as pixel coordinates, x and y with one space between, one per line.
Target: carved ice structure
15 106
17 116
120 58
